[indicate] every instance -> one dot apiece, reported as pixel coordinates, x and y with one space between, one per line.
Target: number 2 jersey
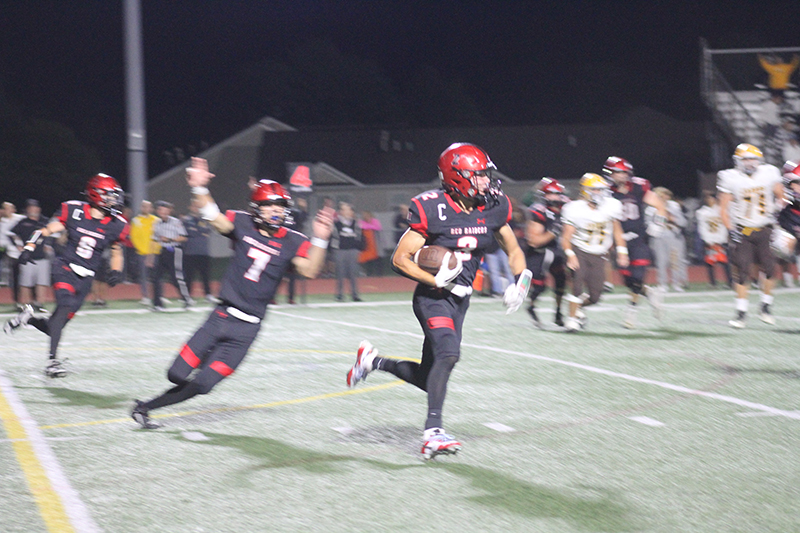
594 228
87 237
258 263
441 220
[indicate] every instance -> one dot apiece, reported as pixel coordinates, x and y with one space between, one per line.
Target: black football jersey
87 237
258 263
633 206
438 217
789 218
551 222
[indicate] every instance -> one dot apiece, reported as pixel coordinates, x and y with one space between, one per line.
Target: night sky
512 62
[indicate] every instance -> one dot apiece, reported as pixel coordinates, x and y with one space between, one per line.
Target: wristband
569 253
210 211
319 243
622 250
200 191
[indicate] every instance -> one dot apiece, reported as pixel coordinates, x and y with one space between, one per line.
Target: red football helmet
552 193
791 174
104 193
268 192
460 164
791 171
617 164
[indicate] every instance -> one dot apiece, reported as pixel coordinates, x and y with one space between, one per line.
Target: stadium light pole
134 99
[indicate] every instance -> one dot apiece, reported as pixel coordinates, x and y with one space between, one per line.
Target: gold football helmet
594 188
747 158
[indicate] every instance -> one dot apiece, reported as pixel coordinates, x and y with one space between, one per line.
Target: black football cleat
141 416
55 369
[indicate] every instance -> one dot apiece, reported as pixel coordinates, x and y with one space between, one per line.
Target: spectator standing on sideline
296 221
714 237
400 223
34 276
146 248
348 244
668 243
170 234
370 256
196 258
10 253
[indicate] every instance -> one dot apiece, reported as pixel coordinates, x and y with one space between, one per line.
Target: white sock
741 304
767 299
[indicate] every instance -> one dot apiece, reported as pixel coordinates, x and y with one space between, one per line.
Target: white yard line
42 458
662 384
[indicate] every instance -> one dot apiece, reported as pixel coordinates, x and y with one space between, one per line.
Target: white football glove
515 294
445 274
459 290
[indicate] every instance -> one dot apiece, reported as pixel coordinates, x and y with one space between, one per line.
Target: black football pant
441 316
212 354
70 291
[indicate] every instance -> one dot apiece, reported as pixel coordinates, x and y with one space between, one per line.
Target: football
430 258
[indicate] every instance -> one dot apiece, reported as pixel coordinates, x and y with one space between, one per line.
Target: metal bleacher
731 87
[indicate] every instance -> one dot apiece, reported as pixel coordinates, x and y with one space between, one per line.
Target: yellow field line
238 408
47 499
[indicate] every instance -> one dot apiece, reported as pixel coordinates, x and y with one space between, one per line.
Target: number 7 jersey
258 263
439 218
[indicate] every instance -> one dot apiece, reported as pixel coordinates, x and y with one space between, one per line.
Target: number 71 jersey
439 218
753 197
88 237
594 228
258 263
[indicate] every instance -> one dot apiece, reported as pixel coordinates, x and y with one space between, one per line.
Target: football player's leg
559 272
446 347
595 276
221 362
766 260
409 371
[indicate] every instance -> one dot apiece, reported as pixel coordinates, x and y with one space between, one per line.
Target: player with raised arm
91 227
635 194
544 253
264 249
465 215
750 195
591 227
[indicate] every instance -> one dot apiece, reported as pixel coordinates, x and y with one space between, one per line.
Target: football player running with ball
91 228
591 227
264 249
465 215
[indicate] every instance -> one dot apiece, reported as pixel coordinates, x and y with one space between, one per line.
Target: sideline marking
59 505
794 415
647 421
236 408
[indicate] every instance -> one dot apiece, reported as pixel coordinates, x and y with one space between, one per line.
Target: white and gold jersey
753 203
594 228
710 226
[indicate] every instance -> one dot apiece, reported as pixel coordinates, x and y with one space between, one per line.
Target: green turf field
686 425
